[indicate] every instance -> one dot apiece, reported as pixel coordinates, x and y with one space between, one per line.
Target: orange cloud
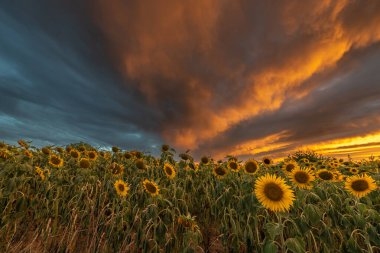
209 66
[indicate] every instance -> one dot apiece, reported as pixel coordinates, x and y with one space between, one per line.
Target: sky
246 78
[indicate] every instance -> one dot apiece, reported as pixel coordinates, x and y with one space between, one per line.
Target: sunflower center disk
220 171
289 167
121 187
251 167
326 175
233 166
273 192
151 188
168 171
360 185
301 177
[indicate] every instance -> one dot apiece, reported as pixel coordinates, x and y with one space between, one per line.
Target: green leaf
273 229
270 247
296 245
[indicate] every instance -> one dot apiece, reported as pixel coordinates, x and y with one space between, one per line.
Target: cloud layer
240 77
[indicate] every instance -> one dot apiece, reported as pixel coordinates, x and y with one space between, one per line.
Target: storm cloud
241 77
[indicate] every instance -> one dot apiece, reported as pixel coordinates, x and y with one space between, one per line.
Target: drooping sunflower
289 166
45 150
121 187
116 169
219 171
360 185
55 160
127 155
233 165
251 167
325 175
74 153
169 170
151 187
140 164
302 178
92 155
192 166
27 153
84 163
273 193
267 161
22 143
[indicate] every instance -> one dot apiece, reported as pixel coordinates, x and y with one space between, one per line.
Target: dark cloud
216 77
56 87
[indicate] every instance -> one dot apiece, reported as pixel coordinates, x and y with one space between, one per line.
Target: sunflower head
84 163
205 160
354 170
40 172
169 170
219 171
140 164
92 155
81 148
127 155
165 148
115 149
27 153
267 161
288 167
273 193
46 150
251 166
68 149
116 169
121 187
302 178
22 143
233 165
325 175
59 150
360 185
55 160
151 187
184 156
74 153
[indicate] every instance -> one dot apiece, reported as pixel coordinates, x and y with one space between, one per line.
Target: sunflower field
79 198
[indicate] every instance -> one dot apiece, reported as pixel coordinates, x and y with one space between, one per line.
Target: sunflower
193 166
169 170
56 161
27 153
302 178
116 169
354 170
273 193
289 166
151 187
360 185
219 171
325 175
5 154
92 155
205 160
165 148
251 166
233 165
337 176
267 161
127 155
74 153
121 187
40 172
59 150
81 148
22 143
68 149
140 164
84 163
45 150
